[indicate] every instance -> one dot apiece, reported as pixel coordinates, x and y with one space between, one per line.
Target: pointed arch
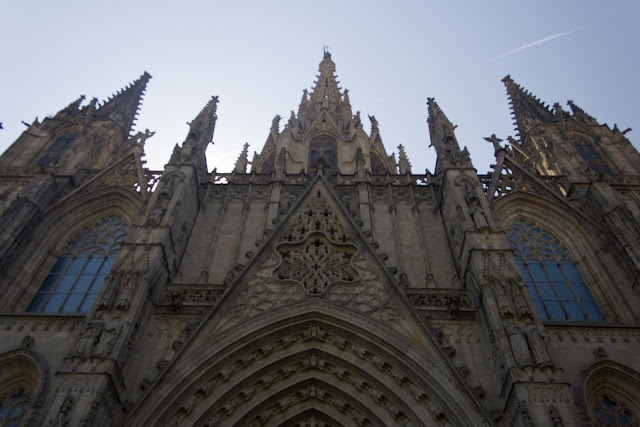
583 241
23 382
610 389
251 367
33 261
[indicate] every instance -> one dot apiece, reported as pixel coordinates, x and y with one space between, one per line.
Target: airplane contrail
535 43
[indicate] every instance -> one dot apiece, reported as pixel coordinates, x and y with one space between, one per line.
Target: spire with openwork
443 139
122 108
326 95
527 110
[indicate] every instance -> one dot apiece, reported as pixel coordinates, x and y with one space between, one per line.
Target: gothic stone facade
325 285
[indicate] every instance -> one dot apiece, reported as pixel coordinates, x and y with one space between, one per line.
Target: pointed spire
243 160
200 136
326 96
443 138
580 114
122 108
527 110
404 164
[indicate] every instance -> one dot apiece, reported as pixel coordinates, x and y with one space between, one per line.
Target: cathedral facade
322 283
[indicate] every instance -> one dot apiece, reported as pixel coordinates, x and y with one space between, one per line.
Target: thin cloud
535 43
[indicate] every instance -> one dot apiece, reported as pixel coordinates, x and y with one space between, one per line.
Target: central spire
326 95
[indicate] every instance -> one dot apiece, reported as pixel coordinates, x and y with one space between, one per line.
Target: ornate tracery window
14 405
555 284
75 280
611 412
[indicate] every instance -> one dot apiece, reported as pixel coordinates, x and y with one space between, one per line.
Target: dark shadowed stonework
322 283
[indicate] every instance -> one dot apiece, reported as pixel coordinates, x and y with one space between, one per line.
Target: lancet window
75 280
552 278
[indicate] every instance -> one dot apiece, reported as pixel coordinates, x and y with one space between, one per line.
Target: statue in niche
108 336
90 336
537 343
160 207
476 212
518 344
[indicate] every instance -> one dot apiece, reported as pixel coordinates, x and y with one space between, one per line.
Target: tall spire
200 136
122 108
403 161
243 160
326 95
527 109
443 138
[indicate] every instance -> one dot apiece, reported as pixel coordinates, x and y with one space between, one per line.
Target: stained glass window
13 407
75 280
611 412
555 284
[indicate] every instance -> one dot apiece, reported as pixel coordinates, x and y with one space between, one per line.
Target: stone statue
160 207
108 336
90 336
477 213
495 141
139 138
537 343
518 344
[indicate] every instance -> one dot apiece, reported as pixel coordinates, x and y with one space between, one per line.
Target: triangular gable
315 273
316 253
126 173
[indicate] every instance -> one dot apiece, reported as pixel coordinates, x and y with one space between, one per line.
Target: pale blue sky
258 56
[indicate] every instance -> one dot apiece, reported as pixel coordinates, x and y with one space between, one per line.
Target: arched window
554 282
612 412
323 148
14 405
75 280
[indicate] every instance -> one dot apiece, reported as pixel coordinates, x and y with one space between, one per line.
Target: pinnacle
123 107
526 108
73 107
436 113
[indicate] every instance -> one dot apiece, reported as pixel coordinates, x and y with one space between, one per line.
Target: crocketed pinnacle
527 110
326 95
122 108
72 108
403 161
243 160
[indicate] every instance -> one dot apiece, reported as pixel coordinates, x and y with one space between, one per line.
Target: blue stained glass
106 267
66 283
582 291
93 265
546 291
555 310
593 313
78 275
88 302
537 272
72 303
83 283
61 264
573 310
49 282
55 302
555 274
77 264
564 291
550 275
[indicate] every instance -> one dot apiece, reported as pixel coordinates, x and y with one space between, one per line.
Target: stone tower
323 283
